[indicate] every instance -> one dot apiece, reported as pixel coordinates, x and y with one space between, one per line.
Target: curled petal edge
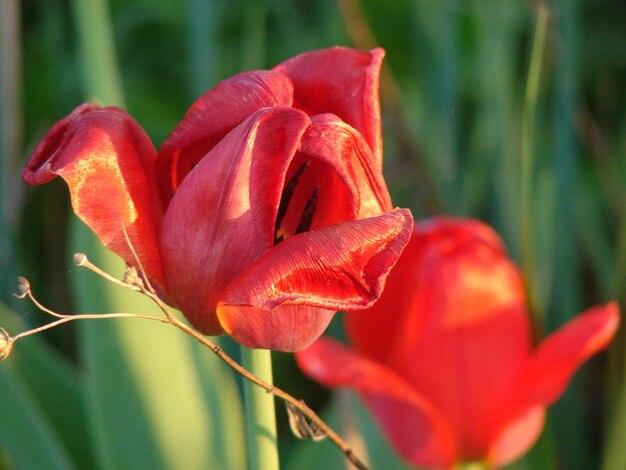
211 117
107 161
339 267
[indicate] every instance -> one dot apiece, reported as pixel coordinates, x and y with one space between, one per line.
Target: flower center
284 224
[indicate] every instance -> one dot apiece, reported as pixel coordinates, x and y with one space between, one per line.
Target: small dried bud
302 428
23 286
80 259
131 277
6 344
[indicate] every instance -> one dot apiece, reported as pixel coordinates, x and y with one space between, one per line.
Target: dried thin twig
139 282
25 291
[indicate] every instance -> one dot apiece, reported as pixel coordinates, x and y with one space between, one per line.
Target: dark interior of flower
308 212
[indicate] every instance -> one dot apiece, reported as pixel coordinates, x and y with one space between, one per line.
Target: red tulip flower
444 359
265 210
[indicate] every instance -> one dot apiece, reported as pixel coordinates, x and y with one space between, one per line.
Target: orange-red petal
414 426
548 370
376 333
107 162
454 304
557 358
545 376
517 437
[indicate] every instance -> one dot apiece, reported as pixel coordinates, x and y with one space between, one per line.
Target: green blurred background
467 131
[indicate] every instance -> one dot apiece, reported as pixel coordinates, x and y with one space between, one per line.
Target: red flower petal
341 267
334 164
342 147
284 328
550 368
38 167
325 176
343 82
558 356
414 426
108 163
517 437
222 217
211 117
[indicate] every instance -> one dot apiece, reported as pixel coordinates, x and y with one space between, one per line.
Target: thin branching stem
143 286
87 316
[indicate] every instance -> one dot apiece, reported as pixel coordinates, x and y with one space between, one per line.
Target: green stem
99 65
260 411
471 466
527 150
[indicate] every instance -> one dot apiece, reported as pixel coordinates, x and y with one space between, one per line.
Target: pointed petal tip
378 54
592 330
548 371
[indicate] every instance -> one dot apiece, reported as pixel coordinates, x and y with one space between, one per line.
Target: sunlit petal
222 217
343 82
108 163
211 117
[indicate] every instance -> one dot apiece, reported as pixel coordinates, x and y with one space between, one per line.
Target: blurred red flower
444 358
263 212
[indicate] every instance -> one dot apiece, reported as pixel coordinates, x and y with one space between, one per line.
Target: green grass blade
614 456
571 432
26 435
53 384
145 401
99 64
150 405
528 149
202 19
